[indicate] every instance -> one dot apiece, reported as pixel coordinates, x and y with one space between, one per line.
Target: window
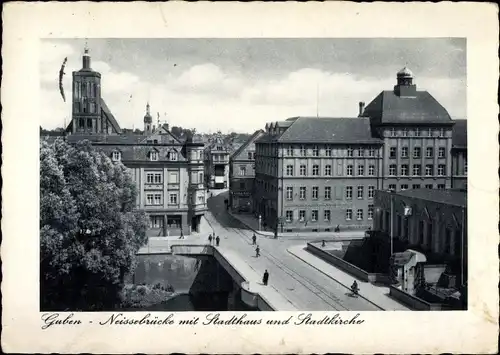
349 170
429 133
315 151
327 215
243 170
157 199
302 170
441 132
289 151
328 170
429 152
348 214
302 192
157 178
392 187
392 152
359 214
81 123
441 152
416 152
149 199
328 192
348 192
360 192
289 170
441 186
404 152
371 170
465 167
315 170
415 186
314 215
429 170
405 132
242 185
361 170
156 221
153 156
416 170
173 199
302 150
289 216
441 169
428 186
417 132
370 212
393 132
371 152
89 122
116 156
315 190
328 151
349 152
371 192
361 152
404 187
392 170
249 155
173 178
302 215
404 170
289 193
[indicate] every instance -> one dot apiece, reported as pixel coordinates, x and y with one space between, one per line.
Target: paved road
305 287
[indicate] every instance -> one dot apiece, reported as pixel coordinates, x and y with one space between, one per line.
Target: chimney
361 108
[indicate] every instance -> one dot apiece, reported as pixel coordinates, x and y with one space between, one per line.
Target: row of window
417 152
172 221
403 187
417 170
327 215
328 170
152 155
155 199
157 177
417 132
85 89
361 152
85 106
327 194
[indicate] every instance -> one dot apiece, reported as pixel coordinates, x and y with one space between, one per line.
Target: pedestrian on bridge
210 239
257 252
254 239
265 278
217 241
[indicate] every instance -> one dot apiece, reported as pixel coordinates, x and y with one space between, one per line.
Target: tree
89 230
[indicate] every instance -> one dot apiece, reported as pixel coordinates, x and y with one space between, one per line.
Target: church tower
86 111
148 121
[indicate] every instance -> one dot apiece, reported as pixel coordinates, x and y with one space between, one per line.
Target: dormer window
173 156
116 156
153 156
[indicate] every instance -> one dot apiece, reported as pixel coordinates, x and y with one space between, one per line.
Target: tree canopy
89 229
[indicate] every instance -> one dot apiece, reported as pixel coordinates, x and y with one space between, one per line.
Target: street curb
270 235
331 277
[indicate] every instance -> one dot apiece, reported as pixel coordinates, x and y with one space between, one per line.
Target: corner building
168 172
316 173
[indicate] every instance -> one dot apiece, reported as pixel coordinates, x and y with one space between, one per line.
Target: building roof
242 147
449 197
459 137
107 112
423 108
326 130
125 139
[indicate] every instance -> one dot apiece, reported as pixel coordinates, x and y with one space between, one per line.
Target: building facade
216 159
434 222
318 173
168 172
242 175
459 155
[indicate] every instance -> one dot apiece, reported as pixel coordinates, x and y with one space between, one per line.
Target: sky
241 84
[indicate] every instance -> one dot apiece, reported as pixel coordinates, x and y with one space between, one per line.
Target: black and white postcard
250 178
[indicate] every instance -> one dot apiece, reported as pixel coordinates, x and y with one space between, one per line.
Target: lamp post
260 221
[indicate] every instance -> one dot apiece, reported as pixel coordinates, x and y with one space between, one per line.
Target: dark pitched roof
388 107
326 130
459 137
242 147
448 197
107 112
126 139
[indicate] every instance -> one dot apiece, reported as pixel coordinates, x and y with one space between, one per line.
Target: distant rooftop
453 197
